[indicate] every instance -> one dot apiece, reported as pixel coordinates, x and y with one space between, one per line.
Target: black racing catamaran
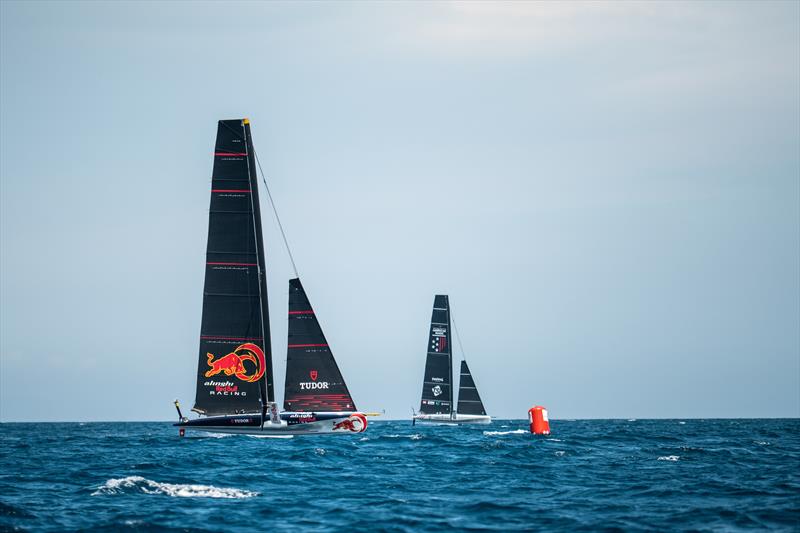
437 389
235 382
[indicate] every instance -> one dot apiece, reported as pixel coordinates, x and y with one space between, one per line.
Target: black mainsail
437 390
313 379
469 401
234 372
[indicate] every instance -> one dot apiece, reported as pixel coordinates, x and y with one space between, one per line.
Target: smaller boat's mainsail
313 379
469 401
437 390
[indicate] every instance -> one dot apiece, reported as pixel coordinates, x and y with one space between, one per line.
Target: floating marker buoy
537 416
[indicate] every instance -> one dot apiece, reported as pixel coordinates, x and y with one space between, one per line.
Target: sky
609 193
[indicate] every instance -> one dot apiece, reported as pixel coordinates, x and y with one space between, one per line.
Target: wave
133 484
16 512
669 457
512 432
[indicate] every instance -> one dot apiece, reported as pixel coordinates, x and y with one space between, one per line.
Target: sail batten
234 371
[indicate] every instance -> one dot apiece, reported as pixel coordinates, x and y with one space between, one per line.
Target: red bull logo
233 364
357 423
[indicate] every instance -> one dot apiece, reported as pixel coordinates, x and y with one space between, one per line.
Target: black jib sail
437 390
234 373
313 379
469 401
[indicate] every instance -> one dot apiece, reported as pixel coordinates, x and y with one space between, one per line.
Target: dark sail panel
469 401
313 379
234 373
437 390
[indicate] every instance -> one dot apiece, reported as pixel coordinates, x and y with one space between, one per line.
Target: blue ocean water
627 474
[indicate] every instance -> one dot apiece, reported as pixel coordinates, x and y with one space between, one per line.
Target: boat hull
289 424
450 421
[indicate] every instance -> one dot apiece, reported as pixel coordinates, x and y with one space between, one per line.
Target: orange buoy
537 416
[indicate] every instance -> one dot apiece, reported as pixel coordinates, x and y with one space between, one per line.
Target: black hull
291 423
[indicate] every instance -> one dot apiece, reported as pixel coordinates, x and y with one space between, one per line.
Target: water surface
588 474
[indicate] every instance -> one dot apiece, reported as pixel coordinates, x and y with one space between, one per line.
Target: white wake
512 432
148 486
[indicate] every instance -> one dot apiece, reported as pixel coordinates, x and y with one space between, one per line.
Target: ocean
587 475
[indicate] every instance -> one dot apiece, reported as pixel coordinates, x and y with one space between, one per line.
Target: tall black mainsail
469 401
234 372
437 390
313 379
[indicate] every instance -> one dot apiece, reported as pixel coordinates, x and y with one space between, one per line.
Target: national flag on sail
438 344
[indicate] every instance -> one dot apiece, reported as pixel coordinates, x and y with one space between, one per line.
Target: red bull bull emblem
356 423
233 364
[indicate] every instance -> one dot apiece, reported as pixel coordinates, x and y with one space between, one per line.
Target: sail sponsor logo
437 390
224 388
438 344
356 423
313 375
438 380
311 385
439 331
246 362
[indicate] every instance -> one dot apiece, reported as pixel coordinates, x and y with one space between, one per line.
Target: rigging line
274 210
458 337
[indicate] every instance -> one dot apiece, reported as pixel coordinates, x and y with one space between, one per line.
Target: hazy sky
609 193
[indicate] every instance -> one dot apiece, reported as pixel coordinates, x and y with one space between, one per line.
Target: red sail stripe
308 346
309 312
230 190
230 338
235 264
308 395
230 153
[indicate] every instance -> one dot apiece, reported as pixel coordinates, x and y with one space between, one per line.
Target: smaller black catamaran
235 383
437 389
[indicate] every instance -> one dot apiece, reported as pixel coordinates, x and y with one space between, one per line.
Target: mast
437 390
234 372
262 270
